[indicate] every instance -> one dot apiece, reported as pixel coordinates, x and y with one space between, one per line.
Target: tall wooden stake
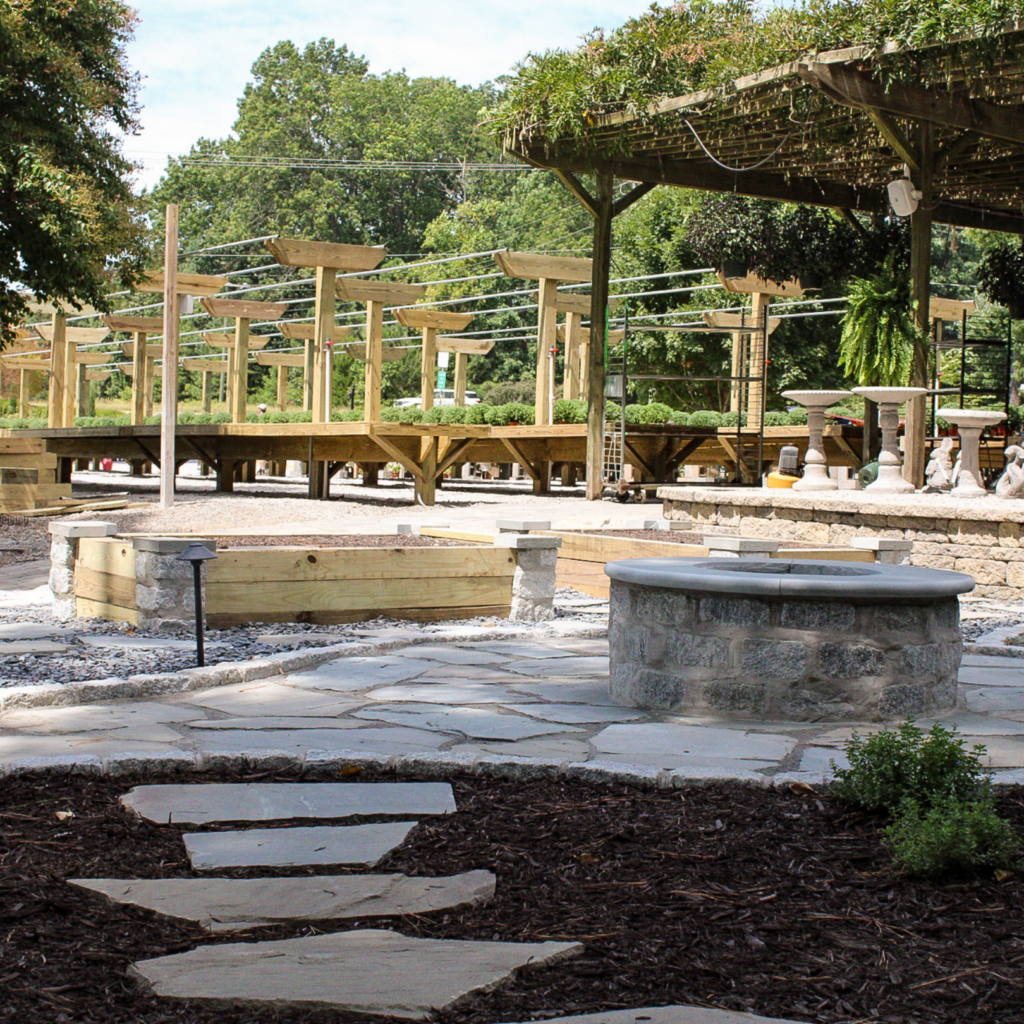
169 388
920 293
602 258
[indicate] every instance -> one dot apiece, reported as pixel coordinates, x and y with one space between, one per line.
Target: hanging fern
877 344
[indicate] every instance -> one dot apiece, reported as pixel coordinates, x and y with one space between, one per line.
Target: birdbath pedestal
890 476
970 423
815 477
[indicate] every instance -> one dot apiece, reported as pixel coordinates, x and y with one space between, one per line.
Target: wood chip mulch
779 903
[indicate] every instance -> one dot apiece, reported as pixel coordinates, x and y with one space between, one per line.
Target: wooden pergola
825 131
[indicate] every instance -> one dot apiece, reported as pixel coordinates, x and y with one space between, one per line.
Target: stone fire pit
784 640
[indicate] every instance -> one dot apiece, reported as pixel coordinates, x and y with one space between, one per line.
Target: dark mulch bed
779 903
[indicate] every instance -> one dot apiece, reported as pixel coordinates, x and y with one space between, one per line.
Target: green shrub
518 412
732 418
445 414
101 421
612 411
408 414
21 423
339 415
705 418
570 410
680 419
905 764
798 417
950 836
653 412
518 391
777 419
477 414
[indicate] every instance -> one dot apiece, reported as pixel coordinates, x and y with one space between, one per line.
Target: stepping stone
446 693
28 631
262 801
271 723
10 647
297 639
271 699
360 673
146 643
478 723
669 1015
359 845
94 717
229 904
382 740
361 972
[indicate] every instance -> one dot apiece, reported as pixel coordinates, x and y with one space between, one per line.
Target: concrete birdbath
815 476
890 476
970 423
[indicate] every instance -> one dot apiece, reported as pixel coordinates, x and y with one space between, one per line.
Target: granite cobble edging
92 691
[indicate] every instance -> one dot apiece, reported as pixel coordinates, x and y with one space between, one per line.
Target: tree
67 218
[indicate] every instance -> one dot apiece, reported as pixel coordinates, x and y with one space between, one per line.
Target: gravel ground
83 661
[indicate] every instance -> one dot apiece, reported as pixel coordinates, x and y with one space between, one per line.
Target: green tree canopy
66 212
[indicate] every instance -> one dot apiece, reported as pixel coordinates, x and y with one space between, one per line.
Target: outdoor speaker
903 197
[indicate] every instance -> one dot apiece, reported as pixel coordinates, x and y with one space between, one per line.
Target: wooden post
547 339
207 390
229 381
82 389
23 389
70 380
756 367
602 258
240 384
58 363
573 333
282 387
307 375
169 389
426 488
140 378
461 364
584 364
920 290
374 357
326 278
428 368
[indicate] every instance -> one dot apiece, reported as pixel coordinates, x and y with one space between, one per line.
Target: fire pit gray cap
806 578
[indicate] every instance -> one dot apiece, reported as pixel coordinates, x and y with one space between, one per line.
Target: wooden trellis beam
429 321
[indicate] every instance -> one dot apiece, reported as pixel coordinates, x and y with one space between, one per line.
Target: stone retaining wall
981 537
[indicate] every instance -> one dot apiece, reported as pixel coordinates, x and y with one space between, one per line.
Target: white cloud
195 55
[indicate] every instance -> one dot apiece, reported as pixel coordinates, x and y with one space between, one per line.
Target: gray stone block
649 688
523 525
150 761
903 701
83 528
46 695
739 545
850 661
734 611
511 766
893 618
697 651
342 760
830 615
917 661
171 545
784 660
91 690
58 764
644 776
524 542
734 697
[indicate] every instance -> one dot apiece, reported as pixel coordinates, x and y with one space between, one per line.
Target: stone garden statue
939 473
1011 483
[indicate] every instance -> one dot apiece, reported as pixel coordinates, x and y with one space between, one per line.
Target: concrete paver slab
29 631
228 904
479 723
365 971
359 845
263 801
9 648
445 693
146 643
359 673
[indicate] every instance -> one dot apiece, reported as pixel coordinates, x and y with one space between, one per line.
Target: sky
194 55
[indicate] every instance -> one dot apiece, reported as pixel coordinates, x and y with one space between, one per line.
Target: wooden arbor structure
962 141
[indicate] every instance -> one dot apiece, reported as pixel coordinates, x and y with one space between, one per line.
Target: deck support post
602 258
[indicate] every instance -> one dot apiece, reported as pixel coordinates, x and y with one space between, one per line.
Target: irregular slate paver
364 971
975 725
383 740
995 699
359 673
479 723
359 845
94 717
575 665
521 650
29 631
670 1015
146 643
271 699
578 713
447 693
675 746
262 801
452 655
272 723
561 748
1011 675
595 694
228 904
819 759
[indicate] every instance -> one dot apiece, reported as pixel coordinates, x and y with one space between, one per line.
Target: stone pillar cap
83 528
170 545
522 525
718 542
522 542
881 544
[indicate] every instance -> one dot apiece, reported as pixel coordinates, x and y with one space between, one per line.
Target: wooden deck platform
427 451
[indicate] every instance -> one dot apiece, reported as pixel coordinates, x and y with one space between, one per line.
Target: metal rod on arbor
169 392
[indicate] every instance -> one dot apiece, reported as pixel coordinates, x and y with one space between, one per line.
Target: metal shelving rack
750 383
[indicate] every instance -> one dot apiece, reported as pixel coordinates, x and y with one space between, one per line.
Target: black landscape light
197 554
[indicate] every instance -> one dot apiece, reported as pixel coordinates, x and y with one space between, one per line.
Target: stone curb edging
90 691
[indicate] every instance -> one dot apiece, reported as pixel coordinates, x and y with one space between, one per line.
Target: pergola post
459 383
430 321
307 374
23 389
572 335
602 261
207 390
58 358
547 339
282 387
169 390
428 367
920 293
323 323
